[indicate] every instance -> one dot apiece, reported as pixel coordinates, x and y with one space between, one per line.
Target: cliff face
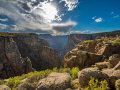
39 52
91 51
20 53
11 62
74 39
56 42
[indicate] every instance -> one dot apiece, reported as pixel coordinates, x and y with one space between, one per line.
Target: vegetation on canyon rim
14 82
17 80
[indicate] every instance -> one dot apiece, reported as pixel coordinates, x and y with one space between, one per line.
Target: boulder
113 75
108 50
117 84
85 75
4 87
75 83
113 60
55 81
26 86
101 65
117 67
81 59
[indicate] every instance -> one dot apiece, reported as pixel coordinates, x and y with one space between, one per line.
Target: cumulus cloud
36 16
98 20
116 16
63 28
112 13
82 32
3 19
93 17
70 4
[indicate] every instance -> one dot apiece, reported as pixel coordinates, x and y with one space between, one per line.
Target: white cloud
117 16
70 4
98 20
35 16
93 17
3 26
3 19
63 28
82 32
112 13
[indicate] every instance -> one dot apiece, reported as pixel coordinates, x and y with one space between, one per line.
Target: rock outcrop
39 52
113 60
81 59
4 87
11 62
85 75
20 53
92 51
55 81
117 84
74 39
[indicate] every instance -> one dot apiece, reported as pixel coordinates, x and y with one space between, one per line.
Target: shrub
115 42
13 82
34 77
95 85
87 41
1 82
74 73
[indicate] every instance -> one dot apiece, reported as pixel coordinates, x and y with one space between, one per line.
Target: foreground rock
117 84
101 65
113 75
4 87
85 75
55 81
117 67
81 59
113 60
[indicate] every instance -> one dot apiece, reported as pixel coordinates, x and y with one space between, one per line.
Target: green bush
34 77
87 41
95 85
13 82
1 82
74 73
115 42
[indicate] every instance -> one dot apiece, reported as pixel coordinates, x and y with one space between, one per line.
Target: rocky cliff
11 62
56 42
39 52
74 39
20 53
89 52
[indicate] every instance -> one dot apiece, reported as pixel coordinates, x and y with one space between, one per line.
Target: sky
59 17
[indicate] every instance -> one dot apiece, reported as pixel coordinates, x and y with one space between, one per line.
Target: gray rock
117 67
55 81
117 84
85 75
4 87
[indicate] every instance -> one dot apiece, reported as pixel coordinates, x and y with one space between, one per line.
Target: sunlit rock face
39 52
74 39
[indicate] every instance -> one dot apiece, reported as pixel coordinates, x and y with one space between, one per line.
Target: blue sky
88 11
59 17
